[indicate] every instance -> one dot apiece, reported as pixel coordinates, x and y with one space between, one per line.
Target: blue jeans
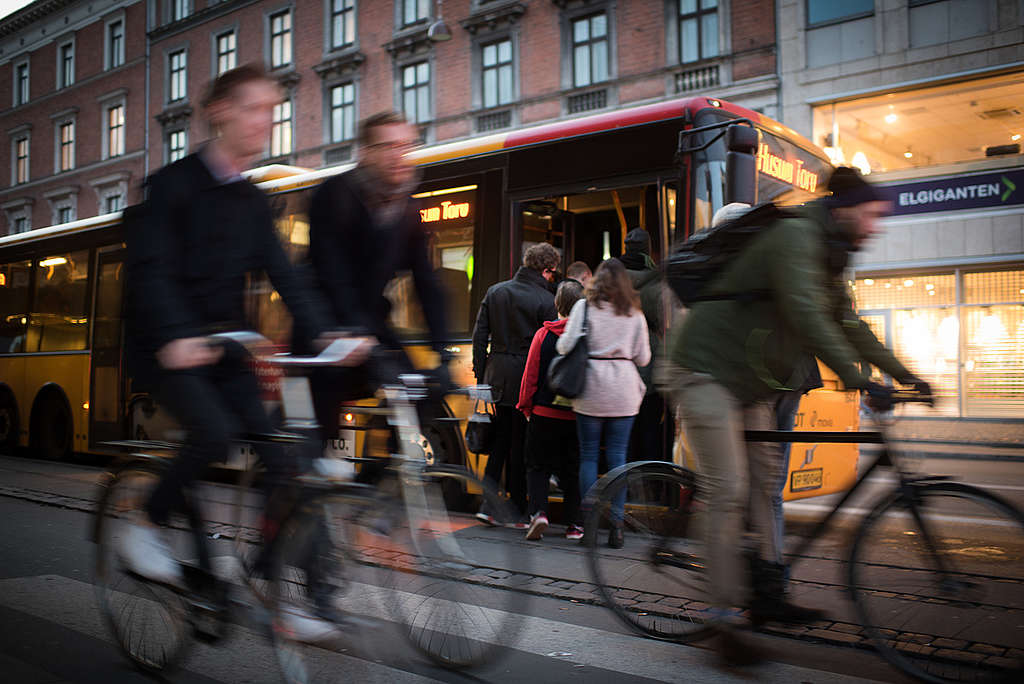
616 444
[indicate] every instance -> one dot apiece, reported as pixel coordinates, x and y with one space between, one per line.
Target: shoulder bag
568 372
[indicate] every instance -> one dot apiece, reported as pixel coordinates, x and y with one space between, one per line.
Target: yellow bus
579 184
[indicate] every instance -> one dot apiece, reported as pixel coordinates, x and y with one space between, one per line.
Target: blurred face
385 155
860 222
244 118
549 274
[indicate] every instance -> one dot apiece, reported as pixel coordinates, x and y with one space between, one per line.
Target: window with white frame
65 65
698 30
177 145
177 77
66 145
21 160
281 131
227 52
416 92
21 90
343 112
414 11
496 72
112 203
115 43
590 50
65 215
343 23
179 9
280 39
21 224
114 131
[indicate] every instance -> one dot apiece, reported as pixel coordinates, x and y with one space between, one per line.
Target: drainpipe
145 149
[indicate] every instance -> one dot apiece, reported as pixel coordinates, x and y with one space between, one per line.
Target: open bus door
106 381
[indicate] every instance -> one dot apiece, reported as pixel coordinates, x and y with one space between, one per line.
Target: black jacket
189 250
353 259
509 315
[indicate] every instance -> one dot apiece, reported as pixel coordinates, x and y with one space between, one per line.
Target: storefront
944 285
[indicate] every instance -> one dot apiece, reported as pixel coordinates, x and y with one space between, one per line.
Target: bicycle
920 605
154 623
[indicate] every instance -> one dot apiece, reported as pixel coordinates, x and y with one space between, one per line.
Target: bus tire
446 448
52 432
9 423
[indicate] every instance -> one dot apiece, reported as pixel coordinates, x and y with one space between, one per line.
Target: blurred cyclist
363 230
734 356
203 228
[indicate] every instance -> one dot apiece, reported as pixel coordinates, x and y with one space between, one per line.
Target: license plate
802 480
342 447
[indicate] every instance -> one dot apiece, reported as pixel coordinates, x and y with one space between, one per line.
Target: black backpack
701 259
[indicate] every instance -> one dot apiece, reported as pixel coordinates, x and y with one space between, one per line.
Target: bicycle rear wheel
937 577
443 566
656 583
150 622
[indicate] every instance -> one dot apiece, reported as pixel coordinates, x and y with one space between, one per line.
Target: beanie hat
638 241
849 188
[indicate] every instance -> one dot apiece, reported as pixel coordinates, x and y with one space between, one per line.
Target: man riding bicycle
202 229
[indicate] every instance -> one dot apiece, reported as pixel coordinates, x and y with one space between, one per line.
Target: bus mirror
740 164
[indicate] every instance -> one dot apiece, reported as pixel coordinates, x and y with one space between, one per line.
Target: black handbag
567 373
480 429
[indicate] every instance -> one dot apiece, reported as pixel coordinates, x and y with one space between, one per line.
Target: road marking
72 603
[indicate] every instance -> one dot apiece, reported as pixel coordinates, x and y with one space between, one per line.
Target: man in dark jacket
647 440
363 230
203 228
510 314
734 356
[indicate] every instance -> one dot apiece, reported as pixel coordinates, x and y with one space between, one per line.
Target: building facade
927 96
508 64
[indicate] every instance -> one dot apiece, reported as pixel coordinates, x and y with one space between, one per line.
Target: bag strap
583 330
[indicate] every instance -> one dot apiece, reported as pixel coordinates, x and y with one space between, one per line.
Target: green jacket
753 347
648 284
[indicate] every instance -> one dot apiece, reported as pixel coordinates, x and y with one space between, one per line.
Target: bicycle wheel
655 583
149 622
440 570
937 577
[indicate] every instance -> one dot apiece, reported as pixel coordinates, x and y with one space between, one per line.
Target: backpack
695 264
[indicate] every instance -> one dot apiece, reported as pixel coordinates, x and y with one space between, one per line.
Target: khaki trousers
733 472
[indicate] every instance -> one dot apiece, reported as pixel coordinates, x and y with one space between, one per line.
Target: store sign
787 170
983 190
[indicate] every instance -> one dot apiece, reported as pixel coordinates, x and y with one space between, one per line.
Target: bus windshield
787 173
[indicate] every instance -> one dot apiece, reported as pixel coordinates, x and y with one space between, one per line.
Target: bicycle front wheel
439 578
937 577
656 582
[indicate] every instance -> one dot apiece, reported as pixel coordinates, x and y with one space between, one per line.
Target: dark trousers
552 448
213 405
647 441
507 454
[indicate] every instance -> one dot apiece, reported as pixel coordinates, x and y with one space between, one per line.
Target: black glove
920 386
439 381
879 396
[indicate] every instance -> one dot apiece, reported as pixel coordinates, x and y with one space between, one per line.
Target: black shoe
615 537
769 604
738 650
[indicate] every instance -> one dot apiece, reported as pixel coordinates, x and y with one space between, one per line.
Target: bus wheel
52 431
8 423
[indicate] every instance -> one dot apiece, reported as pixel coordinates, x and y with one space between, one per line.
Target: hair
541 256
225 85
569 292
364 135
611 284
577 269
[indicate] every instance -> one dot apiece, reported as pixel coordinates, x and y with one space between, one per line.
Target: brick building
509 63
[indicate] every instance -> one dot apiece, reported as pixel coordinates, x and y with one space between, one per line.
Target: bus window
59 320
14 281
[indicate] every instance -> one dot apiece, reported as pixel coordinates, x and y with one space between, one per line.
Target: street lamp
439 31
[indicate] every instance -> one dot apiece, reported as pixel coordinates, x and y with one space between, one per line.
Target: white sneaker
145 551
304 627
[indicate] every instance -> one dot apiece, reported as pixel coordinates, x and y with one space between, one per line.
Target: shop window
892 293
14 289
970 121
59 316
993 287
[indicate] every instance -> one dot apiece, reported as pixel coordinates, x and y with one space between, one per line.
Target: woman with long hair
617 343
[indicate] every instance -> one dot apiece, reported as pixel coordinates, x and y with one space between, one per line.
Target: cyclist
203 228
363 230
732 358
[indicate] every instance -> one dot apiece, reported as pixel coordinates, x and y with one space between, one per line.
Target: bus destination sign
787 170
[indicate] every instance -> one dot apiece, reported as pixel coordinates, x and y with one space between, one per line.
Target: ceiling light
869 281
908 154
891 117
1015 136
908 283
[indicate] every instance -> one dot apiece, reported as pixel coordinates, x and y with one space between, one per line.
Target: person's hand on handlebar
920 386
188 352
358 356
879 396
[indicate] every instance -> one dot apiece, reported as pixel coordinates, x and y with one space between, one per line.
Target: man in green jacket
733 357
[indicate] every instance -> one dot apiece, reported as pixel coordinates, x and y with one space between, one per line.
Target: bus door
106 398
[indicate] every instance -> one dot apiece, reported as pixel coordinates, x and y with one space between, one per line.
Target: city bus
579 184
